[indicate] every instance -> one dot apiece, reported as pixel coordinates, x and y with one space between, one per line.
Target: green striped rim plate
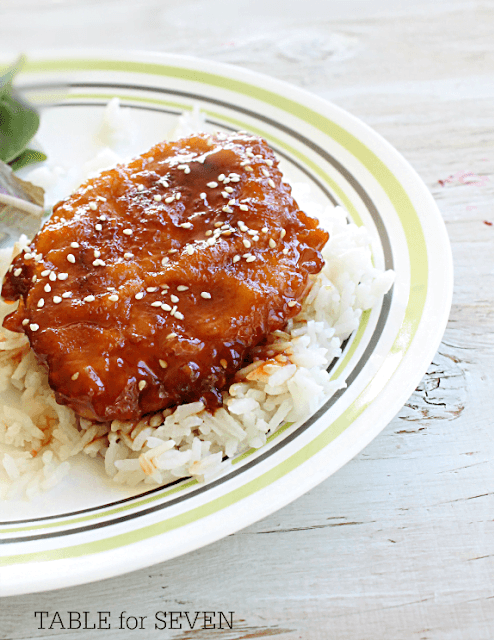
86 529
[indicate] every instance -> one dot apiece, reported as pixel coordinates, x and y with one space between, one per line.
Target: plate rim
430 205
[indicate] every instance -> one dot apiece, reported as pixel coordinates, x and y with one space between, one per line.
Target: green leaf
18 125
27 157
8 75
19 121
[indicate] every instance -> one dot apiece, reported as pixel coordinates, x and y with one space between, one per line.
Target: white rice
38 436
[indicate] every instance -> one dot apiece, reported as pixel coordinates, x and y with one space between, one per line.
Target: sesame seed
190 249
41 302
98 227
271 183
178 315
250 259
252 232
265 172
232 201
249 154
34 327
93 206
128 232
255 238
181 166
74 245
221 177
101 198
34 278
244 207
128 255
157 198
283 233
285 251
140 187
229 189
177 196
187 170
182 287
97 253
248 168
66 294
61 276
71 258
25 322
272 243
172 250
211 241
292 303
28 256
139 296
113 297
223 363
75 376
157 303
212 185
269 163
163 364
45 273
174 310
89 298
171 335
236 258
264 229
246 243
141 385
202 196
174 298
206 295
165 261
169 199
209 233
52 276
47 288
98 263
165 307
151 289
186 225
227 209
17 272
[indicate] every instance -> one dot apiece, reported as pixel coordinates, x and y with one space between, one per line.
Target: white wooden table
399 544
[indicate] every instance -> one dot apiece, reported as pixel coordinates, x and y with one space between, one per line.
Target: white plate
87 529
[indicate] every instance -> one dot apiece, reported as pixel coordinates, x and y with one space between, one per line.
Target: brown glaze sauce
150 284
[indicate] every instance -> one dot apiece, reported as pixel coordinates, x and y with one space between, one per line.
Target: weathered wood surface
399 544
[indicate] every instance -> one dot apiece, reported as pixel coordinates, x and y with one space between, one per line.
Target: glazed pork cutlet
149 285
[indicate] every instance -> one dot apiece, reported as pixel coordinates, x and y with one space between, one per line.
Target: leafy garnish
19 121
21 207
27 157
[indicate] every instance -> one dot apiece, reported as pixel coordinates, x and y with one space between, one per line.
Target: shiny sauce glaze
150 284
